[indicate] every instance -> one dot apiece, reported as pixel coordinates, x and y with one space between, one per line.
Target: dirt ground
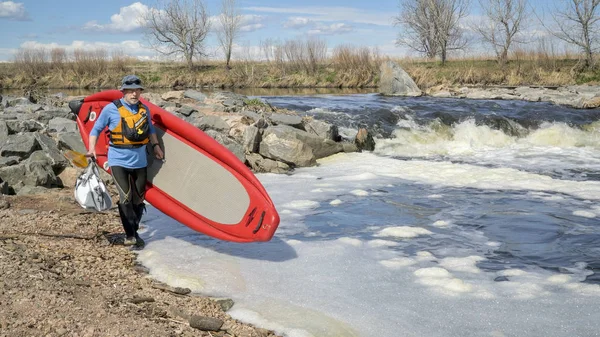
64 272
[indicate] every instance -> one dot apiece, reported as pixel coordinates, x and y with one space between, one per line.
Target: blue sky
114 25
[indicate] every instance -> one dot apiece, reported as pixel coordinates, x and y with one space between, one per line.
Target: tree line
436 27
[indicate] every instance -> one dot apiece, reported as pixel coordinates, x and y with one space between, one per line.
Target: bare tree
231 22
179 29
504 23
432 27
577 24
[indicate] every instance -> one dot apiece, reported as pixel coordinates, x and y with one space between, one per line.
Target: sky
114 25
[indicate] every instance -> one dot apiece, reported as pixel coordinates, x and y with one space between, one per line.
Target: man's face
132 96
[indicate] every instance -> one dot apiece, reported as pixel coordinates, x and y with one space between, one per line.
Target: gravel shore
64 272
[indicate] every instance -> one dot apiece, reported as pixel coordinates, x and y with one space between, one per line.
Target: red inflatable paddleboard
200 183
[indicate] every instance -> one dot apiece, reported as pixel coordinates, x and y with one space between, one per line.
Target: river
471 218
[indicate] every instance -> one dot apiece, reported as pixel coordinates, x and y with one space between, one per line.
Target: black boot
128 218
139 212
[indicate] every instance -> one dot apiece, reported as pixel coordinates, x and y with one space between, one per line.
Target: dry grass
290 64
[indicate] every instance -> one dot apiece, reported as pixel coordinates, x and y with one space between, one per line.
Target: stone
196 95
322 129
21 145
3 132
291 120
186 110
260 164
205 323
60 124
281 144
394 81
592 103
211 123
252 139
71 141
364 140
229 143
225 303
172 95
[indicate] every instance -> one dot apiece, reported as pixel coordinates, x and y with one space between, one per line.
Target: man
130 132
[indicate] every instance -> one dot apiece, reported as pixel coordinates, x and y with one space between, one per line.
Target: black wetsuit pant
131 184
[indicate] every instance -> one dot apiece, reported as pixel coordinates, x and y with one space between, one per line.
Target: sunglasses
136 82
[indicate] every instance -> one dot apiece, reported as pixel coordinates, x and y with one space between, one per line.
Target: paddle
76 158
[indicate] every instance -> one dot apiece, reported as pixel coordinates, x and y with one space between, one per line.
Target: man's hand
158 152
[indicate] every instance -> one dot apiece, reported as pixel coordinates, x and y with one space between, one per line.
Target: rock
251 140
260 164
9 161
348 147
280 143
229 143
592 103
211 123
186 110
291 120
364 140
196 95
205 323
24 125
3 132
141 299
39 171
21 145
322 129
59 124
71 141
49 146
172 95
394 81
153 98
225 303
237 125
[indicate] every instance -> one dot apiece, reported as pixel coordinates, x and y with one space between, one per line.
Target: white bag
90 191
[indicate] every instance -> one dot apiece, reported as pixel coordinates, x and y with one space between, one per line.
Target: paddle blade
76 158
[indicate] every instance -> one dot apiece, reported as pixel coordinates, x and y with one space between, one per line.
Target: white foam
301 204
360 193
335 284
441 224
585 214
336 202
383 243
398 262
464 264
405 232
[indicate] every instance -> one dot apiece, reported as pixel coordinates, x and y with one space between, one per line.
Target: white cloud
333 29
129 19
13 11
251 22
252 27
297 22
328 14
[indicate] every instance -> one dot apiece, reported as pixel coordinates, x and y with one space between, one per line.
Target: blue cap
131 82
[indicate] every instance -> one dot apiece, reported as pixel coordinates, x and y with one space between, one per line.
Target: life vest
134 129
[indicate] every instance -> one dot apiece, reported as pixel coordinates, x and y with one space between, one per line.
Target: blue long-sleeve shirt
129 158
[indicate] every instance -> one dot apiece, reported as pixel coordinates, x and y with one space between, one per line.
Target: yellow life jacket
134 129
